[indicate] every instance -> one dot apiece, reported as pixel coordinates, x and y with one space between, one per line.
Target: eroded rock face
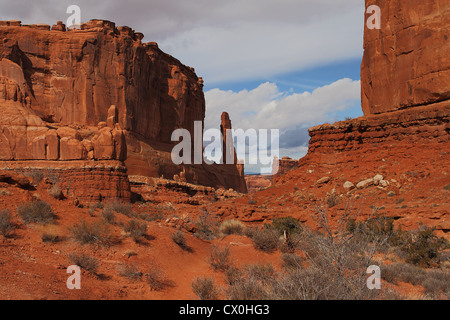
407 62
402 141
100 94
283 166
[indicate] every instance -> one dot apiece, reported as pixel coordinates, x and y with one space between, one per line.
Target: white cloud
230 40
265 107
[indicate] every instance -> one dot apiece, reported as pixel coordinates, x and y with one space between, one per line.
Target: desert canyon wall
403 136
97 98
405 80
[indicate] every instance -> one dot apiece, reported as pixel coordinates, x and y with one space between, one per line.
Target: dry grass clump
156 278
120 207
266 239
136 230
36 212
6 224
205 289
179 238
92 233
207 226
219 258
232 227
130 271
84 261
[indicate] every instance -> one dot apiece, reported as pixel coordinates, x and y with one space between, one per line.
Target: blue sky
271 64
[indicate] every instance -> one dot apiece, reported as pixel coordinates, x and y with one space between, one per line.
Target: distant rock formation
282 166
258 182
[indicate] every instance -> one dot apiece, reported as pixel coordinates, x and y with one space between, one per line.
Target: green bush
289 224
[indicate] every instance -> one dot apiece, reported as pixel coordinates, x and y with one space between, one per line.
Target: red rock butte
404 133
97 97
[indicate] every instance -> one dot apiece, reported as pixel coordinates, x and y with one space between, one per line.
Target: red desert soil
31 269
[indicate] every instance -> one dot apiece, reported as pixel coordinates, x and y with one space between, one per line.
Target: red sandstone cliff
99 94
404 133
407 62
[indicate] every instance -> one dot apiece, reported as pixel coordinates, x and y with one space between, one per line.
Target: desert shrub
120 207
233 274
423 247
247 289
336 261
219 258
97 205
95 233
288 224
437 283
205 288
266 239
232 227
291 260
332 200
36 175
135 229
50 237
260 272
36 212
378 226
207 226
403 272
130 271
84 261
109 216
179 238
6 224
151 217
156 278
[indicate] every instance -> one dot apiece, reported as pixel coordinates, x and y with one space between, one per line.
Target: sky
271 64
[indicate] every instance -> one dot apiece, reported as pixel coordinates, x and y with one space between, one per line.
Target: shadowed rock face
407 62
97 93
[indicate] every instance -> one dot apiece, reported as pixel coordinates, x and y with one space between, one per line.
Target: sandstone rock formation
404 133
98 94
407 62
258 182
283 166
